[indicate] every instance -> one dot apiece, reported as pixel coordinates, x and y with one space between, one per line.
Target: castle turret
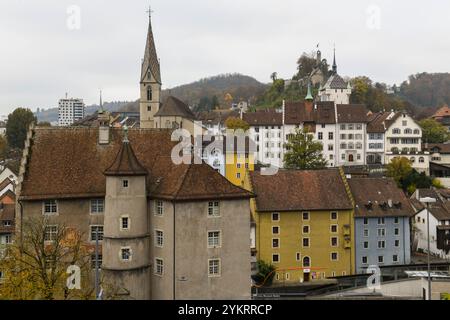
126 241
150 83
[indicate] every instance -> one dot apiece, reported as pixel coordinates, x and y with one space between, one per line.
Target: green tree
305 65
274 76
17 127
433 131
3 147
399 168
415 180
266 272
303 152
215 102
236 123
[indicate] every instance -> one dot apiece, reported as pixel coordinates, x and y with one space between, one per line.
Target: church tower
150 83
126 240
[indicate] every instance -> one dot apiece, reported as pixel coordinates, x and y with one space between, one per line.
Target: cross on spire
149 11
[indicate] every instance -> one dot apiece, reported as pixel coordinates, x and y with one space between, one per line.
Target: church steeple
334 62
150 83
150 62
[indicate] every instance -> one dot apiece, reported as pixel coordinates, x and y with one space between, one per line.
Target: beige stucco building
167 231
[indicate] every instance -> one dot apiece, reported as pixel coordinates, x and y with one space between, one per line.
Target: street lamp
427 201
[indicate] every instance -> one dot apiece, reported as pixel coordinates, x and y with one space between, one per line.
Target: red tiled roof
69 163
442 112
296 190
440 147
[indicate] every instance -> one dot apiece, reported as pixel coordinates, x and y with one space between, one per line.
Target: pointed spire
334 61
150 62
101 103
126 162
309 96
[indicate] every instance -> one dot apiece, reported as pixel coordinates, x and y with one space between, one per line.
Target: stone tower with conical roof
150 82
126 241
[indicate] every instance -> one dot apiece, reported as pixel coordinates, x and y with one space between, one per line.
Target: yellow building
304 223
238 162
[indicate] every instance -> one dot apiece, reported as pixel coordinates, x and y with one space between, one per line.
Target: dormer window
125 183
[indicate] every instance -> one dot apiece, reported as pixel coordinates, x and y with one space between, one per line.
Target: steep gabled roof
126 163
263 118
297 113
175 107
372 194
440 209
335 82
352 113
150 62
443 112
324 113
8 193
69 163
377 122
297 190
6 183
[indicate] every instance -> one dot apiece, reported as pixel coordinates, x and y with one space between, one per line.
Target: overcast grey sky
41 57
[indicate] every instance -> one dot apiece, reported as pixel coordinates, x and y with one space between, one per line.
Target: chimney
390 203
308 106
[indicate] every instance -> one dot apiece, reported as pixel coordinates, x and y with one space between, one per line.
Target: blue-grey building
382 223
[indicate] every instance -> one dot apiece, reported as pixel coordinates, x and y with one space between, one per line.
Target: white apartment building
70 110
351 128
403 138
266 130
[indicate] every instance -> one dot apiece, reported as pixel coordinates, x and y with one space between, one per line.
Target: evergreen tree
17 127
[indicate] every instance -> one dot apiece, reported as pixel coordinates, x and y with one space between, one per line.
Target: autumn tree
17 126
399 168
303 152
433 131
35 265
234 123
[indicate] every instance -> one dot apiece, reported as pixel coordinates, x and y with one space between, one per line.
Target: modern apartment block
70 110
